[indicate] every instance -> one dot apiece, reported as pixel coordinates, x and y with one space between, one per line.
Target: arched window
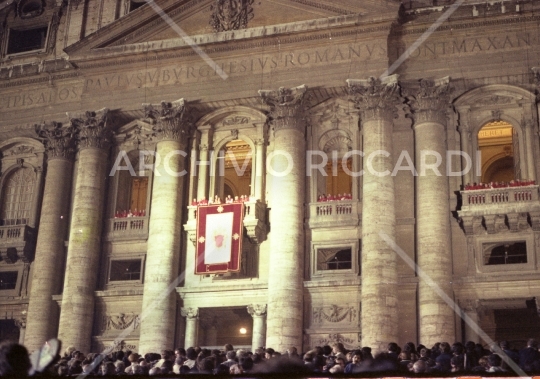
17 197
498 143
237 161
132 195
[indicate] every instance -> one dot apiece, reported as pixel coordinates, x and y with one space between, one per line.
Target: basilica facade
383 157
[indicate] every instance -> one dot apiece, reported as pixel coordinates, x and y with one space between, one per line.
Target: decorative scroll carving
137 136
330 339
257 309
286 107
430 101
335 314
376 99
190 312
236 120
120 321
22 150
93 129
231 14
59 141
170 120
496 114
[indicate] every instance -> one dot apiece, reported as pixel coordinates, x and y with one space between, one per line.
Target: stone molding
257 310
190 313
93 129
170 120
59 141
376 99
430 102
287 107
231 14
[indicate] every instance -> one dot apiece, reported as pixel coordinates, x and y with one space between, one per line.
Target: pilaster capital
170 120
93 129
20 322
468 305
259 142
59 142
257 309
190 313
286 107
430 101
375 98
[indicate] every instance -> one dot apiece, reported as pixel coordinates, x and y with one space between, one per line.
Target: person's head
405 356
180 352
532 343
268 353
424 352
247 364
133 358
108 368
444 347
327 350
191 353
393 347
228 347
14 359
419 367
340 361
154 371
483 361
457 363
231 354
356 357
505 345
308 357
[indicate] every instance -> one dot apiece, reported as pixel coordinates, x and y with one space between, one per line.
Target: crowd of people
129 213
491 185
441 359
217 200
329 197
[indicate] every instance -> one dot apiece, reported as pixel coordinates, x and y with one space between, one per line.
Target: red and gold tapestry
219 238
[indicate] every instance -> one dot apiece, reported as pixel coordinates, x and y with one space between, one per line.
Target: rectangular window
21 41
139 190
8 280
505 253
334 259
125 270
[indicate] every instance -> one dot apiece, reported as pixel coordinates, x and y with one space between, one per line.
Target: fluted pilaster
258 312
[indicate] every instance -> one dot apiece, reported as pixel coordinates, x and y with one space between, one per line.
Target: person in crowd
355 364
494 363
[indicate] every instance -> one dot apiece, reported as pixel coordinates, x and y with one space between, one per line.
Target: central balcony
334 213
510 208
17 242
127 228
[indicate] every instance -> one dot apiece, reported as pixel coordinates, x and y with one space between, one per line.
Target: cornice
41 79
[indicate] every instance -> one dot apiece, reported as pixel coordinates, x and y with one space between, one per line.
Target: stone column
258 312
59 145
192 326
163 254
259 169
429 105
470 308
285 282
529 138
465 137
21 324
376 101
84 249
203 171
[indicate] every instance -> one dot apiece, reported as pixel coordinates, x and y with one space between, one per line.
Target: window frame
505 268
353 272
11 268
23 27
115 283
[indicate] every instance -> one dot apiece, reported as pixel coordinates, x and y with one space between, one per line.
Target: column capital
170 120
59 141
20 322
430 101
93 129
190 313
286 107
375 98
256 309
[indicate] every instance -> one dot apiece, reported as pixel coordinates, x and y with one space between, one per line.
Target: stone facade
319 87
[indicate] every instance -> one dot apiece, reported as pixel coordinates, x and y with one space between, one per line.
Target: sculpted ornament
190 312
170 120
375 98
231 14
335 314
59 141
287 107
93 129
257 309
120 321
430 102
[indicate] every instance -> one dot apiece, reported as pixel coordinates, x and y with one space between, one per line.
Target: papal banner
219 238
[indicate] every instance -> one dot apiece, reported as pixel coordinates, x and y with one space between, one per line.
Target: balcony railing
334 213
128 228
17 242
494 208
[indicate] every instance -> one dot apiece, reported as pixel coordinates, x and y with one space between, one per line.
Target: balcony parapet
17 242
500 209
127 228
334 213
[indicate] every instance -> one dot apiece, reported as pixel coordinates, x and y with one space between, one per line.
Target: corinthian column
376 101
258 312
432 210
59 145
163 254
285 282
77 313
